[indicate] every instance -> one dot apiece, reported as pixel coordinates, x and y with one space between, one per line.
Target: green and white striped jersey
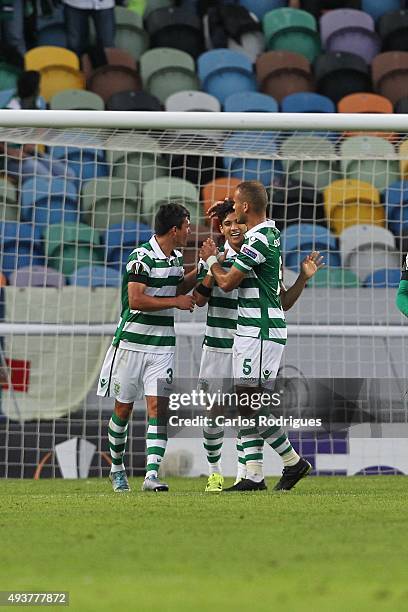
222 311
260 313
150 332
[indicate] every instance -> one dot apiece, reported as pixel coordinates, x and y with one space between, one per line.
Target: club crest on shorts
266 373
116 386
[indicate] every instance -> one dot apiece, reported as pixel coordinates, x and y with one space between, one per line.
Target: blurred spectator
12 24
77 14
24 161
28 91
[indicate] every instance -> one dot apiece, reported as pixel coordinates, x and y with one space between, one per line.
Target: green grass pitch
333 544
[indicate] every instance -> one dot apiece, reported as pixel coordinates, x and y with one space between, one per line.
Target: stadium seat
197 169
39 58
403 158
9 208
250 102
393 29
122 238
246 168
297 241
390 74
51 33
176 27
7 94
315 166
107 201
95 276
340 74
249 42
351 202
364 103
71 246
260 7
192 101
85 163
153 5
351 31
335 278
223 72
307 103
164 190
112 79
37 276
281 73
377 9
46 201
139 166
366 248
108 56
296 204
395 199
130 34
320 7
290 29
401 107
55 79
218 190
133 101
167 71
76 99
369 159
8 76
20 245
380 279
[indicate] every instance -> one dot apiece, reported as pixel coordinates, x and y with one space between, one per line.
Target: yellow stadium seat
40 57
55 79
351 202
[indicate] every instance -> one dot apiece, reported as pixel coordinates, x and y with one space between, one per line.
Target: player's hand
311 264
212 211
209 248
185 302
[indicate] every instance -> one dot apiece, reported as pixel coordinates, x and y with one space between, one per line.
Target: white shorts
215 371
255 362
129 375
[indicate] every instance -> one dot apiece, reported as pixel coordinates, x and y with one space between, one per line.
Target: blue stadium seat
260 7
250 102
223 72
121 239
268 171
20 246
395 199
48 201
7 94
96 276
87 164
299 240
307 103
377 8
380 279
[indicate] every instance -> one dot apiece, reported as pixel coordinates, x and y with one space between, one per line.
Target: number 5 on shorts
246 366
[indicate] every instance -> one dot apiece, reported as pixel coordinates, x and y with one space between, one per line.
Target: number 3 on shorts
246 366
169 378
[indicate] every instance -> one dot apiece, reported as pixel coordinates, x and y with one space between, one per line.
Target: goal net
79 190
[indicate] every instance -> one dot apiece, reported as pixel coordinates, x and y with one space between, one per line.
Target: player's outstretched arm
402 297
310 265
139 300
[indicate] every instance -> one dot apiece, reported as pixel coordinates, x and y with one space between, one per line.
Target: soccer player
402 294
141 357
261 328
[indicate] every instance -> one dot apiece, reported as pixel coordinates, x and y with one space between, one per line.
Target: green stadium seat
71 246
317 173
8 76
153 5
336 278
76 99
139 166
370 159
130 34
9 208
288 29
170 189
167 71
106 201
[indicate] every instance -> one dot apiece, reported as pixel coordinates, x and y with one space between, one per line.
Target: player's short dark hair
168 216
28 84
224 209
255 194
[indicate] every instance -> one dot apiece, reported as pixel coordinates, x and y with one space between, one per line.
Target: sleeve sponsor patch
247 251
